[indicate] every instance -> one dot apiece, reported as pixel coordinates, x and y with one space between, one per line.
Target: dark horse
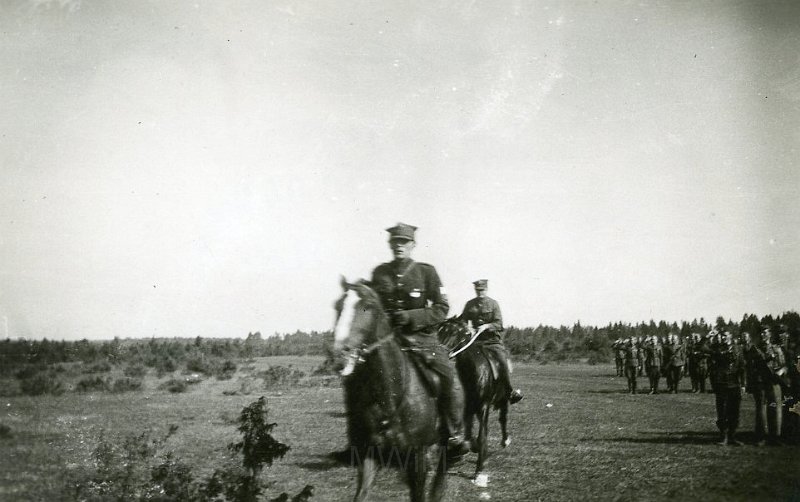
482 390
392 417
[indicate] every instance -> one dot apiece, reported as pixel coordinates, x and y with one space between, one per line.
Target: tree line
542 343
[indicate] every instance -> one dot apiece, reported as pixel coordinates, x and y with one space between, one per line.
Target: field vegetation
156 420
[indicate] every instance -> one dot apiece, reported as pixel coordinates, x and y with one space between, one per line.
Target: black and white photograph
307 251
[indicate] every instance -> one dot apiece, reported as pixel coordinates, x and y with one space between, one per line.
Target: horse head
359 315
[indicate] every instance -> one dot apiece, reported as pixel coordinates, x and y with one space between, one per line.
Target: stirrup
515 397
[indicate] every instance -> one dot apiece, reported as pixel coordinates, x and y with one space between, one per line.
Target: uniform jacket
631 356
727 367
413 287
653 356
484 311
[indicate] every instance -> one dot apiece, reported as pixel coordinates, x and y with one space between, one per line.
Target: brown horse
391 415
482 390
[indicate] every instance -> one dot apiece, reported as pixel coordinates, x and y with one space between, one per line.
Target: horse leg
504 424
481 478
469 418
366 475
440 477
416 472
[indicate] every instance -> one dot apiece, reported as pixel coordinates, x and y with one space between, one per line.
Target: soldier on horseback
414 299
484 312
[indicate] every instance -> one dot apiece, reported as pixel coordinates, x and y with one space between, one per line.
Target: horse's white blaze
345 321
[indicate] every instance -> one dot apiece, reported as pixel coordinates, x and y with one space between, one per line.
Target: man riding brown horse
484 314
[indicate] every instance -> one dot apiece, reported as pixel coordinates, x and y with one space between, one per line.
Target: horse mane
368 295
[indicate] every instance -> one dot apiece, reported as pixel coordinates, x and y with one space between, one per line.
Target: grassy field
577 435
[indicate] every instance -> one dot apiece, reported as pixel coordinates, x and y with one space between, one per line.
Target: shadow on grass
604 391
683 437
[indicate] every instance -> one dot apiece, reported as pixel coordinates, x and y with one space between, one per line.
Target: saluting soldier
631 362
415 300
652 362
619 356
677 358
484 312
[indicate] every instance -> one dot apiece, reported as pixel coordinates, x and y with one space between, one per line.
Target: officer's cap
481 284
401 231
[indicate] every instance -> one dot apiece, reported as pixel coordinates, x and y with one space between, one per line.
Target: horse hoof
506 442
481 480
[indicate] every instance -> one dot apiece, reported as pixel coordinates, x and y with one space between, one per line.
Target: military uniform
485 311
415 291
766 393
675 359
727 379
631 363
619 356
652 364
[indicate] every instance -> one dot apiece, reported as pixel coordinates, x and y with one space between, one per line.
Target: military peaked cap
401 231
481 284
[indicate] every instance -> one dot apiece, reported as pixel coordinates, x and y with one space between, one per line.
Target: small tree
257 445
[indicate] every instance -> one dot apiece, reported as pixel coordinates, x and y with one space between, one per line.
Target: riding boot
516 394
450 410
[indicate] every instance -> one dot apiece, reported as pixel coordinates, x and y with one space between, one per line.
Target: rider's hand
401 318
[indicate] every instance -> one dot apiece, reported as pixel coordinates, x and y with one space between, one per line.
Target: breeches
728 401
769 410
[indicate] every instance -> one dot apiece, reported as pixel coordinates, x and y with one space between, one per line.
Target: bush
598 358
93 384
165 365
280 376
30 370
41 383
199 365
99 367
174 385
135 371
5 431
226 370
9 387
126 384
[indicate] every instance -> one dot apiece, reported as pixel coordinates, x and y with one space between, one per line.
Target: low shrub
9 387
30 370
165 365
135 371
92 384
199 365
280 376
598 358
174 385
98 367
41 383
126 384
226 370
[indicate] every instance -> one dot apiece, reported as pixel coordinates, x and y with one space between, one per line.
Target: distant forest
542 343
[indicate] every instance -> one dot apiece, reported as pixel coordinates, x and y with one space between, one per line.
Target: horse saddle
428 368
493 358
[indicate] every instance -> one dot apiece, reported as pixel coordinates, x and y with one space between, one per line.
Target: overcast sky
210 168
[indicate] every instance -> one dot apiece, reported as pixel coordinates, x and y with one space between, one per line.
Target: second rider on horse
484 314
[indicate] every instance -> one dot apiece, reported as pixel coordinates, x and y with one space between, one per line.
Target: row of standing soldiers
670 357
765 365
